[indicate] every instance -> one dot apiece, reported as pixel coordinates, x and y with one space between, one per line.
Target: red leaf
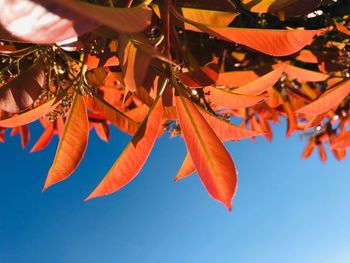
304 75
116 117
205 76
134 156
102 130
261 84
236 78
292 121
330 99
135 64
308 149
44 139
25 135
322 153
342 142
72 145
212 161
227 131
232 100
186 169
30 115
20 93
275 42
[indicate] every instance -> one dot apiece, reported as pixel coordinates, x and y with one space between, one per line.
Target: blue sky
285 210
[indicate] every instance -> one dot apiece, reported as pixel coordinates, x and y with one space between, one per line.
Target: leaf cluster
177 66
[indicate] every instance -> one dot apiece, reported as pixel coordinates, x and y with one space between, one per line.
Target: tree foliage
178 66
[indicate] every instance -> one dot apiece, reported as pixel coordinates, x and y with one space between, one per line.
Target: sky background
285 209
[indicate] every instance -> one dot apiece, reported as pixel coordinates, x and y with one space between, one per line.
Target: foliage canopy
177 66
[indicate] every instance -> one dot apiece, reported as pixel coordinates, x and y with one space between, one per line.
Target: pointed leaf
30 115
261 84
116 117
328 100
304 75
275 42
134 155
44 139
232 100
187 168
227 131
72 145
212 161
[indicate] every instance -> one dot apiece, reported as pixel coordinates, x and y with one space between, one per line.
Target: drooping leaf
308 149
24 132
212 161
44 139
20 93
103 131
72 145
275 42
304 75
322 152
328 100
116 117
261 84
135 64
236 78
202 77
227 131
342 142
232 100
292 123
134 155
187 168
30 115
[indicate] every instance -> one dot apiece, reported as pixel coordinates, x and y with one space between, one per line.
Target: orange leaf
102 130
212 161
275 42
330 99
236 78
186 169
304 75
116 117
308 149
72 145
322 153
30 115
232 100
205 76
20 93
135 64
227 131
292 121
134 156
44 139
261 84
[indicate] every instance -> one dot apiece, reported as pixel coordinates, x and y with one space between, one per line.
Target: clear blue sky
285 210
